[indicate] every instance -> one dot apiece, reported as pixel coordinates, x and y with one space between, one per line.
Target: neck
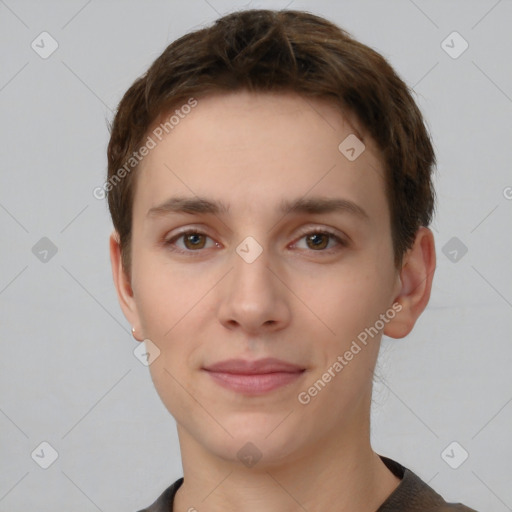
339 472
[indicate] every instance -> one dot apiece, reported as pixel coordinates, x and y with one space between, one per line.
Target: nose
253 298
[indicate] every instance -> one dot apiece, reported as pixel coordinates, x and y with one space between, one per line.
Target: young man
270 189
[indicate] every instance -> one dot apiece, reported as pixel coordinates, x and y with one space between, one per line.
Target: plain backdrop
68 375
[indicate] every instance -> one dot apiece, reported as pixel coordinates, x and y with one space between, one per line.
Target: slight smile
254 377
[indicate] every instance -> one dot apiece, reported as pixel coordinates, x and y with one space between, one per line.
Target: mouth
254 377
254 384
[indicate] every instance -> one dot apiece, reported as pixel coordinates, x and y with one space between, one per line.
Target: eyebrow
313 205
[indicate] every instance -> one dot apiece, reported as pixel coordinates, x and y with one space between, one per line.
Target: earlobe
415 279
123 285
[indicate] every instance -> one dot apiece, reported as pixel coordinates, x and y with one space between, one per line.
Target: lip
258 366
254 377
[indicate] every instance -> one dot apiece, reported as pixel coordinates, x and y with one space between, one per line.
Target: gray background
68 375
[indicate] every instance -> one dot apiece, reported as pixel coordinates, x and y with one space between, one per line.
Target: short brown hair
272 51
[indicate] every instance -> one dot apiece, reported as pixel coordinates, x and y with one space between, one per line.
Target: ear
123 286
414 283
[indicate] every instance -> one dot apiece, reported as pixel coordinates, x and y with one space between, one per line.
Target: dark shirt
411 495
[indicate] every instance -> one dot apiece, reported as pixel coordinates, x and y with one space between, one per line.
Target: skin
295 302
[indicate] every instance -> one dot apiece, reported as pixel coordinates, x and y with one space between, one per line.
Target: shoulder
164 502
452 507
414 495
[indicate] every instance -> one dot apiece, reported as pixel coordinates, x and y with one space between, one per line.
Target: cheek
347 300
170 303
165 302
355 317
163 296
172 387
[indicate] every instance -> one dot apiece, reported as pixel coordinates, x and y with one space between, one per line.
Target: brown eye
321 241
318 240
194 240
190 241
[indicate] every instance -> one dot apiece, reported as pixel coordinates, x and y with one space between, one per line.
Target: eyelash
170 242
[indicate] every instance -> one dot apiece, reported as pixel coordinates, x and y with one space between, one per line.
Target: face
288 256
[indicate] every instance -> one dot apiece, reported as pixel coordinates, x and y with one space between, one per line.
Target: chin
258 440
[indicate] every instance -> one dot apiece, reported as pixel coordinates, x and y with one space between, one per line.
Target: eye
193 241
321 241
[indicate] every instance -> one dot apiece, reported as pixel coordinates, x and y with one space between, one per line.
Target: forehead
242 105
254 148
